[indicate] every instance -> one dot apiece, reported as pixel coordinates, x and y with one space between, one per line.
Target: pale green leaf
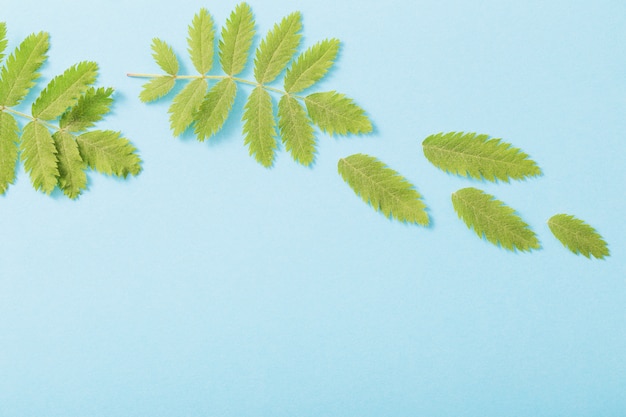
72 177
383 188
185 105
335 113
157 88
260 126
236 40
277 49
201 39
39 156
477 156
63 91
578 236
3 40
20 69
311 65
8 150
296 130
215 108
109 153
164 56
494 220
89 109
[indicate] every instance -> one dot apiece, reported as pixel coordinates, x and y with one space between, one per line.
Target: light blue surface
210 286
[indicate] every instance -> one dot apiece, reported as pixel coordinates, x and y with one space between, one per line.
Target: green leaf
578 236
109 153
236 40
20 69
89 109
260 126
200 41
296 130
311 65
8 150
277 49
3 39
157 88
335 113
185 105
383 188
215 108
64 90
477 156
72 177
494 220
39 156
164 56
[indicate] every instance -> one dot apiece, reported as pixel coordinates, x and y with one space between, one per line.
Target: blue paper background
210 286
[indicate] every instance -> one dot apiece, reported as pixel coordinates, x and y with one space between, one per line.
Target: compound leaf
215 108
3 39
335 113
89 109
260 126
8 150
277 49
20 69
578 236
494 220
311 65
164 56
477 156
185 105
72 177
107 152
200 41
64 90
296 130
383 188
39 156
236 40
157 88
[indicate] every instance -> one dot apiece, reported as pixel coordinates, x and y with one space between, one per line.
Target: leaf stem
29 117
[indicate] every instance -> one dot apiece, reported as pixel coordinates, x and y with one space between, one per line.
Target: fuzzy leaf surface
156 88
494 220
215 108
383 188
8 150
236 40
277 49
107 152
3 39
164 56
335 113
39 156
477 156
578 236
260 126
20 69
311 65
89 109
296 130
201 39
63 91
185 105
72 177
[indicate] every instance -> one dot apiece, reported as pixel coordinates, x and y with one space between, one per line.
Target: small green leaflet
20 69
8 150
477 156
89 109
200 41
39 156
186 104
259 127
236 40
157 88
383 188
277 49
72 177
494 220
311 66
334 113
109 153
296 130
3 39
578 236
215 108
164 56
